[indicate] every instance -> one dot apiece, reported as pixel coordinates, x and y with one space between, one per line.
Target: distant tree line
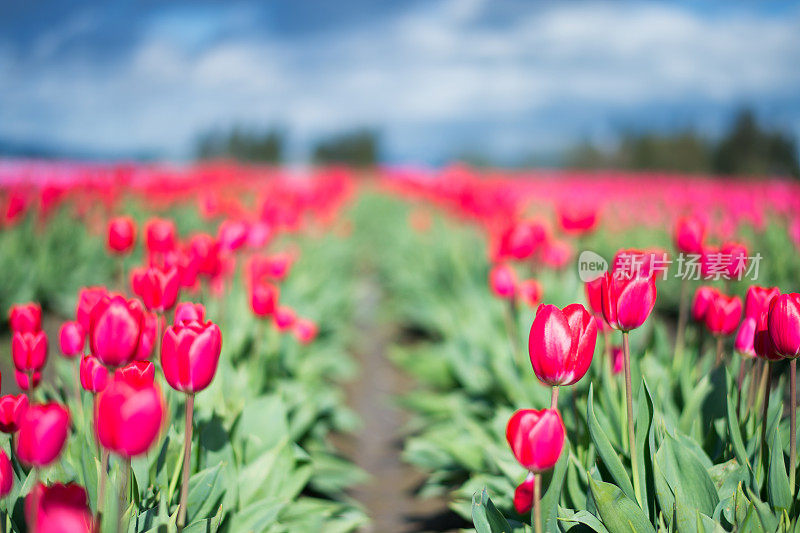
745 149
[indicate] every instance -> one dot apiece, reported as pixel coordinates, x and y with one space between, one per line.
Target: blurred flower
263 298
25 318
93 375
627 302
6 475
284 318
29 351
87 299
157 288
115 331
58 508
11 410
689 235
160 236
27 382
305 330
536 438
503 281
71 338
121 234
189 312
702 299
189 355
43 430
523 494
530 292
723 314
128 415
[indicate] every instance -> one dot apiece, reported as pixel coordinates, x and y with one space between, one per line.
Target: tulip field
603 352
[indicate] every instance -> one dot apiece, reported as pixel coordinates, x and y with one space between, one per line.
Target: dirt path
388 495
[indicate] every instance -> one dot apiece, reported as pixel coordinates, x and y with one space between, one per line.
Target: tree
244 144
357 148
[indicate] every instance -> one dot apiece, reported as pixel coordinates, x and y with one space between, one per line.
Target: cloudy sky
437 77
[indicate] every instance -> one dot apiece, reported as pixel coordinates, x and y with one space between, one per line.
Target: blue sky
436 77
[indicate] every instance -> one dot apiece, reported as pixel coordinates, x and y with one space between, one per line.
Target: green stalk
626 352
792 423
554 398
537 503
677 358
187 455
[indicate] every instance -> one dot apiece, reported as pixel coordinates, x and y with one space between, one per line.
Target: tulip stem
765 410
718 359
101 489
740 384
187 455
123 496
681 333
626 353
537 503
513 329
792 423
554 398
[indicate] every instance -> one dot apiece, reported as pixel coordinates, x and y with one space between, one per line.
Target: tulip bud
189 355
627 301
561 343
503 281
689 235
160 236
29 351
723 314
530 292
137 374
701 301
58 508
71 338
26 381
11 410
305 330
128 415
115 330
157 288
121 234
42 434
6 475
784 324
284 318
93 375
536 438
87 298
745 337
523 495
25 318
189 312
264 298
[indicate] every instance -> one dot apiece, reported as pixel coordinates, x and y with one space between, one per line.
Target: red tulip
29 351
634 263
152 324
503 281
11 410
115 331
128 415
189 355
277 266
71 338
27 382
58 508
689 235
204 250
702 299
284 318
561 343
577 219
556 254
523 495
784 324
627 301
121 234
160 236
264 298
232 235
536 438
530 292
6 475
157 288
42 434
137 374
723 314
758 299
305 330
521 239
25 318
87 298
735 258
93 375
189 312
745 337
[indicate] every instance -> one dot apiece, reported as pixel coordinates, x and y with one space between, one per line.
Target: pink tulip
42 434
523 495
115 330
264 298
27 381
745 337
29 351
71 338
58 508
11 410
758 299
627 301
189 355
25 318
735 258
723 314
561 343
702 299
689 235
503 281
152 324
536 438
189 312
121 234
87 298
128 415
157 288
784 324
160 236
93 375
6 475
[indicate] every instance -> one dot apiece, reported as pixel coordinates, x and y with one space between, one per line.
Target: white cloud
433 65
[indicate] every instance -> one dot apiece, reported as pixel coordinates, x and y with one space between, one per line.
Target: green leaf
552 495
780 494
644 421
619 513
486 517
605 451
582 517
205 491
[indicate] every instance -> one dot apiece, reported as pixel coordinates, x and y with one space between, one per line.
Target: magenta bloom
157 288
784 324
723 314
189 355
689 235
11 410
58 508
503 281
115 331
71 338
561 343
121 234
189 312
29 351
42 434
93 375
536 438
627 301
128 416
25 318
